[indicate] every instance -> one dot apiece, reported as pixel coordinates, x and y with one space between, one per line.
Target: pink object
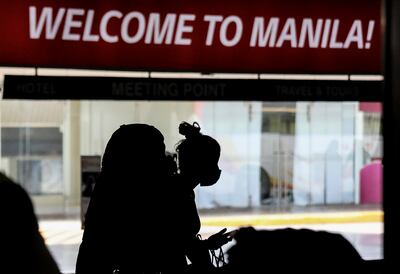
371 183
370 107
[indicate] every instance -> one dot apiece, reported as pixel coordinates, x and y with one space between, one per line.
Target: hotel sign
311 36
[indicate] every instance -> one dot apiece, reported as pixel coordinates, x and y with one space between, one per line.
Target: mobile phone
231 234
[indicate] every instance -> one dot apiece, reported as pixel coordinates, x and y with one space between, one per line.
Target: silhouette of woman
128 207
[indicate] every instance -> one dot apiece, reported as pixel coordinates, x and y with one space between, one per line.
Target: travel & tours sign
311 36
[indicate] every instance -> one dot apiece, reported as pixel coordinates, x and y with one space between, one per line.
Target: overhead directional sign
114 88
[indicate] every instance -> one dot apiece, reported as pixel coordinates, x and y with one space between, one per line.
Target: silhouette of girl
198 157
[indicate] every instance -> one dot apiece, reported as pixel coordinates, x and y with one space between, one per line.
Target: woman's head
198 155
134 148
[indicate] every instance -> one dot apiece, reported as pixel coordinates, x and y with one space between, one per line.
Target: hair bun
189 130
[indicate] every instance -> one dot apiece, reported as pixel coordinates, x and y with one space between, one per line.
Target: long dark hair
134 158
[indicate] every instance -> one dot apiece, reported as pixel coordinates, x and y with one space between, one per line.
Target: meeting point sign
287 36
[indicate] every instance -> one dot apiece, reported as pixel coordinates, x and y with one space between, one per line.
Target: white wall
324 153
235 125
99 119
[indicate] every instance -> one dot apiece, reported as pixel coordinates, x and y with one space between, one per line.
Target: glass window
276 156
31 146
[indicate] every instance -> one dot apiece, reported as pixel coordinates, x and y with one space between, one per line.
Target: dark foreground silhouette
23 249
142 217
295 251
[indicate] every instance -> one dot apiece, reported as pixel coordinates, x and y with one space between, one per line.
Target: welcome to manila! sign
254 36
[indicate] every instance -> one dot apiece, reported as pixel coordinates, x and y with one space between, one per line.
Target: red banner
255 36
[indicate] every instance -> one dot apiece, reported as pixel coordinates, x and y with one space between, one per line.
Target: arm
198 253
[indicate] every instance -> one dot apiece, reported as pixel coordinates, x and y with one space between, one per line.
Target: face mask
211 178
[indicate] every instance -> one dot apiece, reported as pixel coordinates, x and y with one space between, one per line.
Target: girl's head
198 155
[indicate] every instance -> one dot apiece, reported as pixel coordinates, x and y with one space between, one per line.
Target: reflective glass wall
274 154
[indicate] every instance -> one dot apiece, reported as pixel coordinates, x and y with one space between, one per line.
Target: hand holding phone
231 234
219 239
